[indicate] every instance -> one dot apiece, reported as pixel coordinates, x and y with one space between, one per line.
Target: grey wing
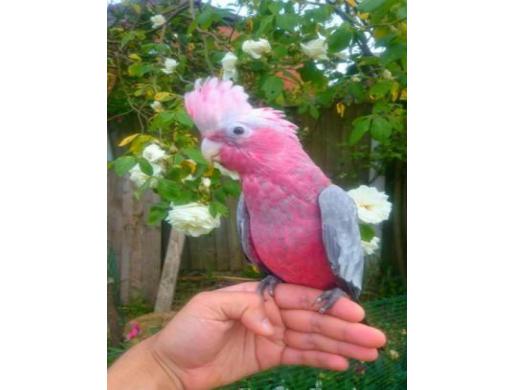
342 240
243 224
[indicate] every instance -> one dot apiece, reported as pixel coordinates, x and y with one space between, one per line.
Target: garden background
346 89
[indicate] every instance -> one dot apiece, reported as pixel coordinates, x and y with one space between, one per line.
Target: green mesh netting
388 372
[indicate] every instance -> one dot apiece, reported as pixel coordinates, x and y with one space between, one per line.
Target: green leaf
231 187
401 12
167 189
272 87
162 120
127 37
381 129
380 89
265 25
357 91
157 213
145 166
206 18
217 208
320 13
184 118
274 7
123 164
367 232
370 5
287 21
340 39
139 69
309 72
257 66
381 107
219 195
143 188
360 126
195 155
153 49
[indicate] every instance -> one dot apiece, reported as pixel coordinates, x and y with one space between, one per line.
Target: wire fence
388 372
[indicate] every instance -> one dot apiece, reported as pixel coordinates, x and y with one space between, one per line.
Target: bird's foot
328 298
268 284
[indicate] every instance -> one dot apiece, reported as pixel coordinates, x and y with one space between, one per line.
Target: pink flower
134 332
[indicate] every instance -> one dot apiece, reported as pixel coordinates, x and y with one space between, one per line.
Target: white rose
369 247
355 78
229 66
170 65
157 106
256 48
153 153
387 74
229 61
157 20
139 178
194 219
226 172
230 75
373 206
316 49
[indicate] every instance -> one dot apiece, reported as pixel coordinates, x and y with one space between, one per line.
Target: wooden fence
139 248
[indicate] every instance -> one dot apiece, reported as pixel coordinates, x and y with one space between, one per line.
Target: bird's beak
210 149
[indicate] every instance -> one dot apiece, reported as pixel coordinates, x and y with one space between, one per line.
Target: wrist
141 367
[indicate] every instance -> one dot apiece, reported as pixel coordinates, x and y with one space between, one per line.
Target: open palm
224 335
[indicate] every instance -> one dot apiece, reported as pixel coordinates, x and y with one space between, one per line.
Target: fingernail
267 325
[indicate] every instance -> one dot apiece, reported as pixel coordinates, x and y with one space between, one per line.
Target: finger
246 307
291 296
313 322
317 342
243 287
317 359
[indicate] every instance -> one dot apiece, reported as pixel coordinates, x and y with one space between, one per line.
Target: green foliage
365 63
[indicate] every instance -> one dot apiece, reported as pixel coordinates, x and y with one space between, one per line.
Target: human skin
228 334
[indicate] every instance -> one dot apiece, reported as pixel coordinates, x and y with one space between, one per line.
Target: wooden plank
221 247
135 244
170 272
135 256
236 256
151 251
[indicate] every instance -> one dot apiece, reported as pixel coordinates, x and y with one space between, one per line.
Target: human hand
227 334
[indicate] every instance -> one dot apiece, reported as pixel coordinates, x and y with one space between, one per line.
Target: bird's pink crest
214 103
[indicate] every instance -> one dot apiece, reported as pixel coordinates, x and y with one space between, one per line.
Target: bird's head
235 134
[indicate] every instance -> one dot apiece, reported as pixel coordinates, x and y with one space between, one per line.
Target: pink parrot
293 223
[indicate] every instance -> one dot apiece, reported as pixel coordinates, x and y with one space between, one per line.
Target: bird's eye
238 130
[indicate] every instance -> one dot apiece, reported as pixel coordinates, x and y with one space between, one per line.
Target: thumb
247 307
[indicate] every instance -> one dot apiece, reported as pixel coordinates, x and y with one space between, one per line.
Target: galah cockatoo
293 223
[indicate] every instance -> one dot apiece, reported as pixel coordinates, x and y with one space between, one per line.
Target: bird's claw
268 284
328 298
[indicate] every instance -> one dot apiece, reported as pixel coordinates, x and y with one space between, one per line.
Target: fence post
171 266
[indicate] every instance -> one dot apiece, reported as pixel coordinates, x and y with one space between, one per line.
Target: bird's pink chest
286 233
